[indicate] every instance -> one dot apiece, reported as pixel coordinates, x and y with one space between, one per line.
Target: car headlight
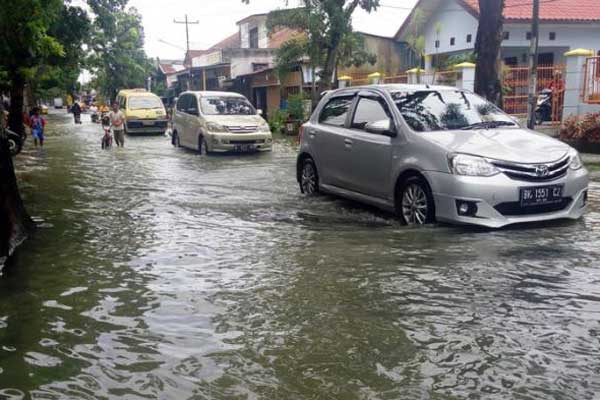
463 164
214 127
264 127
576 162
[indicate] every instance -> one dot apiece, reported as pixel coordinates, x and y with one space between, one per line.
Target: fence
515 85
591 81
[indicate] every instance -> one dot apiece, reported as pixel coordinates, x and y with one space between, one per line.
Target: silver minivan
434 153
219 122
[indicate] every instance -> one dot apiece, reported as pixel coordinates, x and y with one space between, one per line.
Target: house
248 50
449 27
166 73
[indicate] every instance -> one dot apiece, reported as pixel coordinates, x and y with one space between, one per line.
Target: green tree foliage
330 40
59 74
118 59
26 43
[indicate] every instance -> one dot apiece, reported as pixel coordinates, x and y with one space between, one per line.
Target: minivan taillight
300 133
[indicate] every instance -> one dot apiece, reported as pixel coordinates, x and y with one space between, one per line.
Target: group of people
116 121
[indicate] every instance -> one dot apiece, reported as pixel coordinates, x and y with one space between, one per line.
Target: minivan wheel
203 147
309 177
414 202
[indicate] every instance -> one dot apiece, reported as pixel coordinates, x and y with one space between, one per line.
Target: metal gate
591 81
515 85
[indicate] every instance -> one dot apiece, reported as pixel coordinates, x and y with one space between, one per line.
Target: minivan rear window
335 111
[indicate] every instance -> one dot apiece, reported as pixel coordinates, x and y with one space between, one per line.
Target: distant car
219 122
58 103
44 109
437 153
144 111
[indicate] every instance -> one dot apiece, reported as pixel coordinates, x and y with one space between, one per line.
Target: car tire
414 202
309 177
203 146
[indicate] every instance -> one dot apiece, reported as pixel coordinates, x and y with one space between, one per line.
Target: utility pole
533 64
187 31
187 41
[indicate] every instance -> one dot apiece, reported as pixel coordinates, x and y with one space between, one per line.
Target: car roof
395 87
208 93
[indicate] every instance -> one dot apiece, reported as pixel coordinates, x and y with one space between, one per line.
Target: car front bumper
236 142
498 199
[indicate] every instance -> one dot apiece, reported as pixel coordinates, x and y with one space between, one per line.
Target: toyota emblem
542 171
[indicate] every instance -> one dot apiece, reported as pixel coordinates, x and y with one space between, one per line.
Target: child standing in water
38 123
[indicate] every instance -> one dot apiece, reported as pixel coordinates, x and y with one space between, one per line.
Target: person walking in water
117 122
37 124
76 110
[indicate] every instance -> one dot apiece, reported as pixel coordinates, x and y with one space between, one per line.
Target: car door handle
312 134
348 143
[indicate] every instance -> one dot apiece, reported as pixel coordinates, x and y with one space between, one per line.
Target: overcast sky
217 18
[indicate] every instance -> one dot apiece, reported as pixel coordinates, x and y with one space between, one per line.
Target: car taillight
300 133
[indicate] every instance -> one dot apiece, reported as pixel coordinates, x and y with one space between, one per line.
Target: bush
296 107
586 128
277 121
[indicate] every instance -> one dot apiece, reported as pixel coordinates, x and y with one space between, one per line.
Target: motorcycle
543 111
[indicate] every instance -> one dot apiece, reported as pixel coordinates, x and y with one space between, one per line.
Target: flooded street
159 273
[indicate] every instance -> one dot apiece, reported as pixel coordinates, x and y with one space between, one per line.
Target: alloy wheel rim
309 179
414 205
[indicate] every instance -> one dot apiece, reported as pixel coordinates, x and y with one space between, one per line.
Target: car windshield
441 110
144 102
226 106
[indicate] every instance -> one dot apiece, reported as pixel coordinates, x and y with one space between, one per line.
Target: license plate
148 123
540 195
245 148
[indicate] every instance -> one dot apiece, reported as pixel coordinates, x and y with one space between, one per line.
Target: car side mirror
259 112
383 127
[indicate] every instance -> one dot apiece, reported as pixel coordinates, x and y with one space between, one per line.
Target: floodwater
159 273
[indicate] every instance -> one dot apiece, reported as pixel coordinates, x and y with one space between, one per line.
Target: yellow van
144 111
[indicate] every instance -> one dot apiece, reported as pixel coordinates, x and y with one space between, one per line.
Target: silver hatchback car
437 153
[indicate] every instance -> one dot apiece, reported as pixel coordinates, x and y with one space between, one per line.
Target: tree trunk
328 70
15 118
15 223
487 49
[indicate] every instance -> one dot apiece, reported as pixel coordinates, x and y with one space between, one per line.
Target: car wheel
309 177
414 202
14 146
203 146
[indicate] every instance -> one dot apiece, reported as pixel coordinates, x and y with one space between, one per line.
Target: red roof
282 35
550 10
167 69
230 42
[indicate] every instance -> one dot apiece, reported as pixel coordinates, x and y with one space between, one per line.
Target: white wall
259 22
456 22
241 63
245 35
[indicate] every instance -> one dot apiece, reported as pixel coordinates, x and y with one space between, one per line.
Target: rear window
335 111
144 102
